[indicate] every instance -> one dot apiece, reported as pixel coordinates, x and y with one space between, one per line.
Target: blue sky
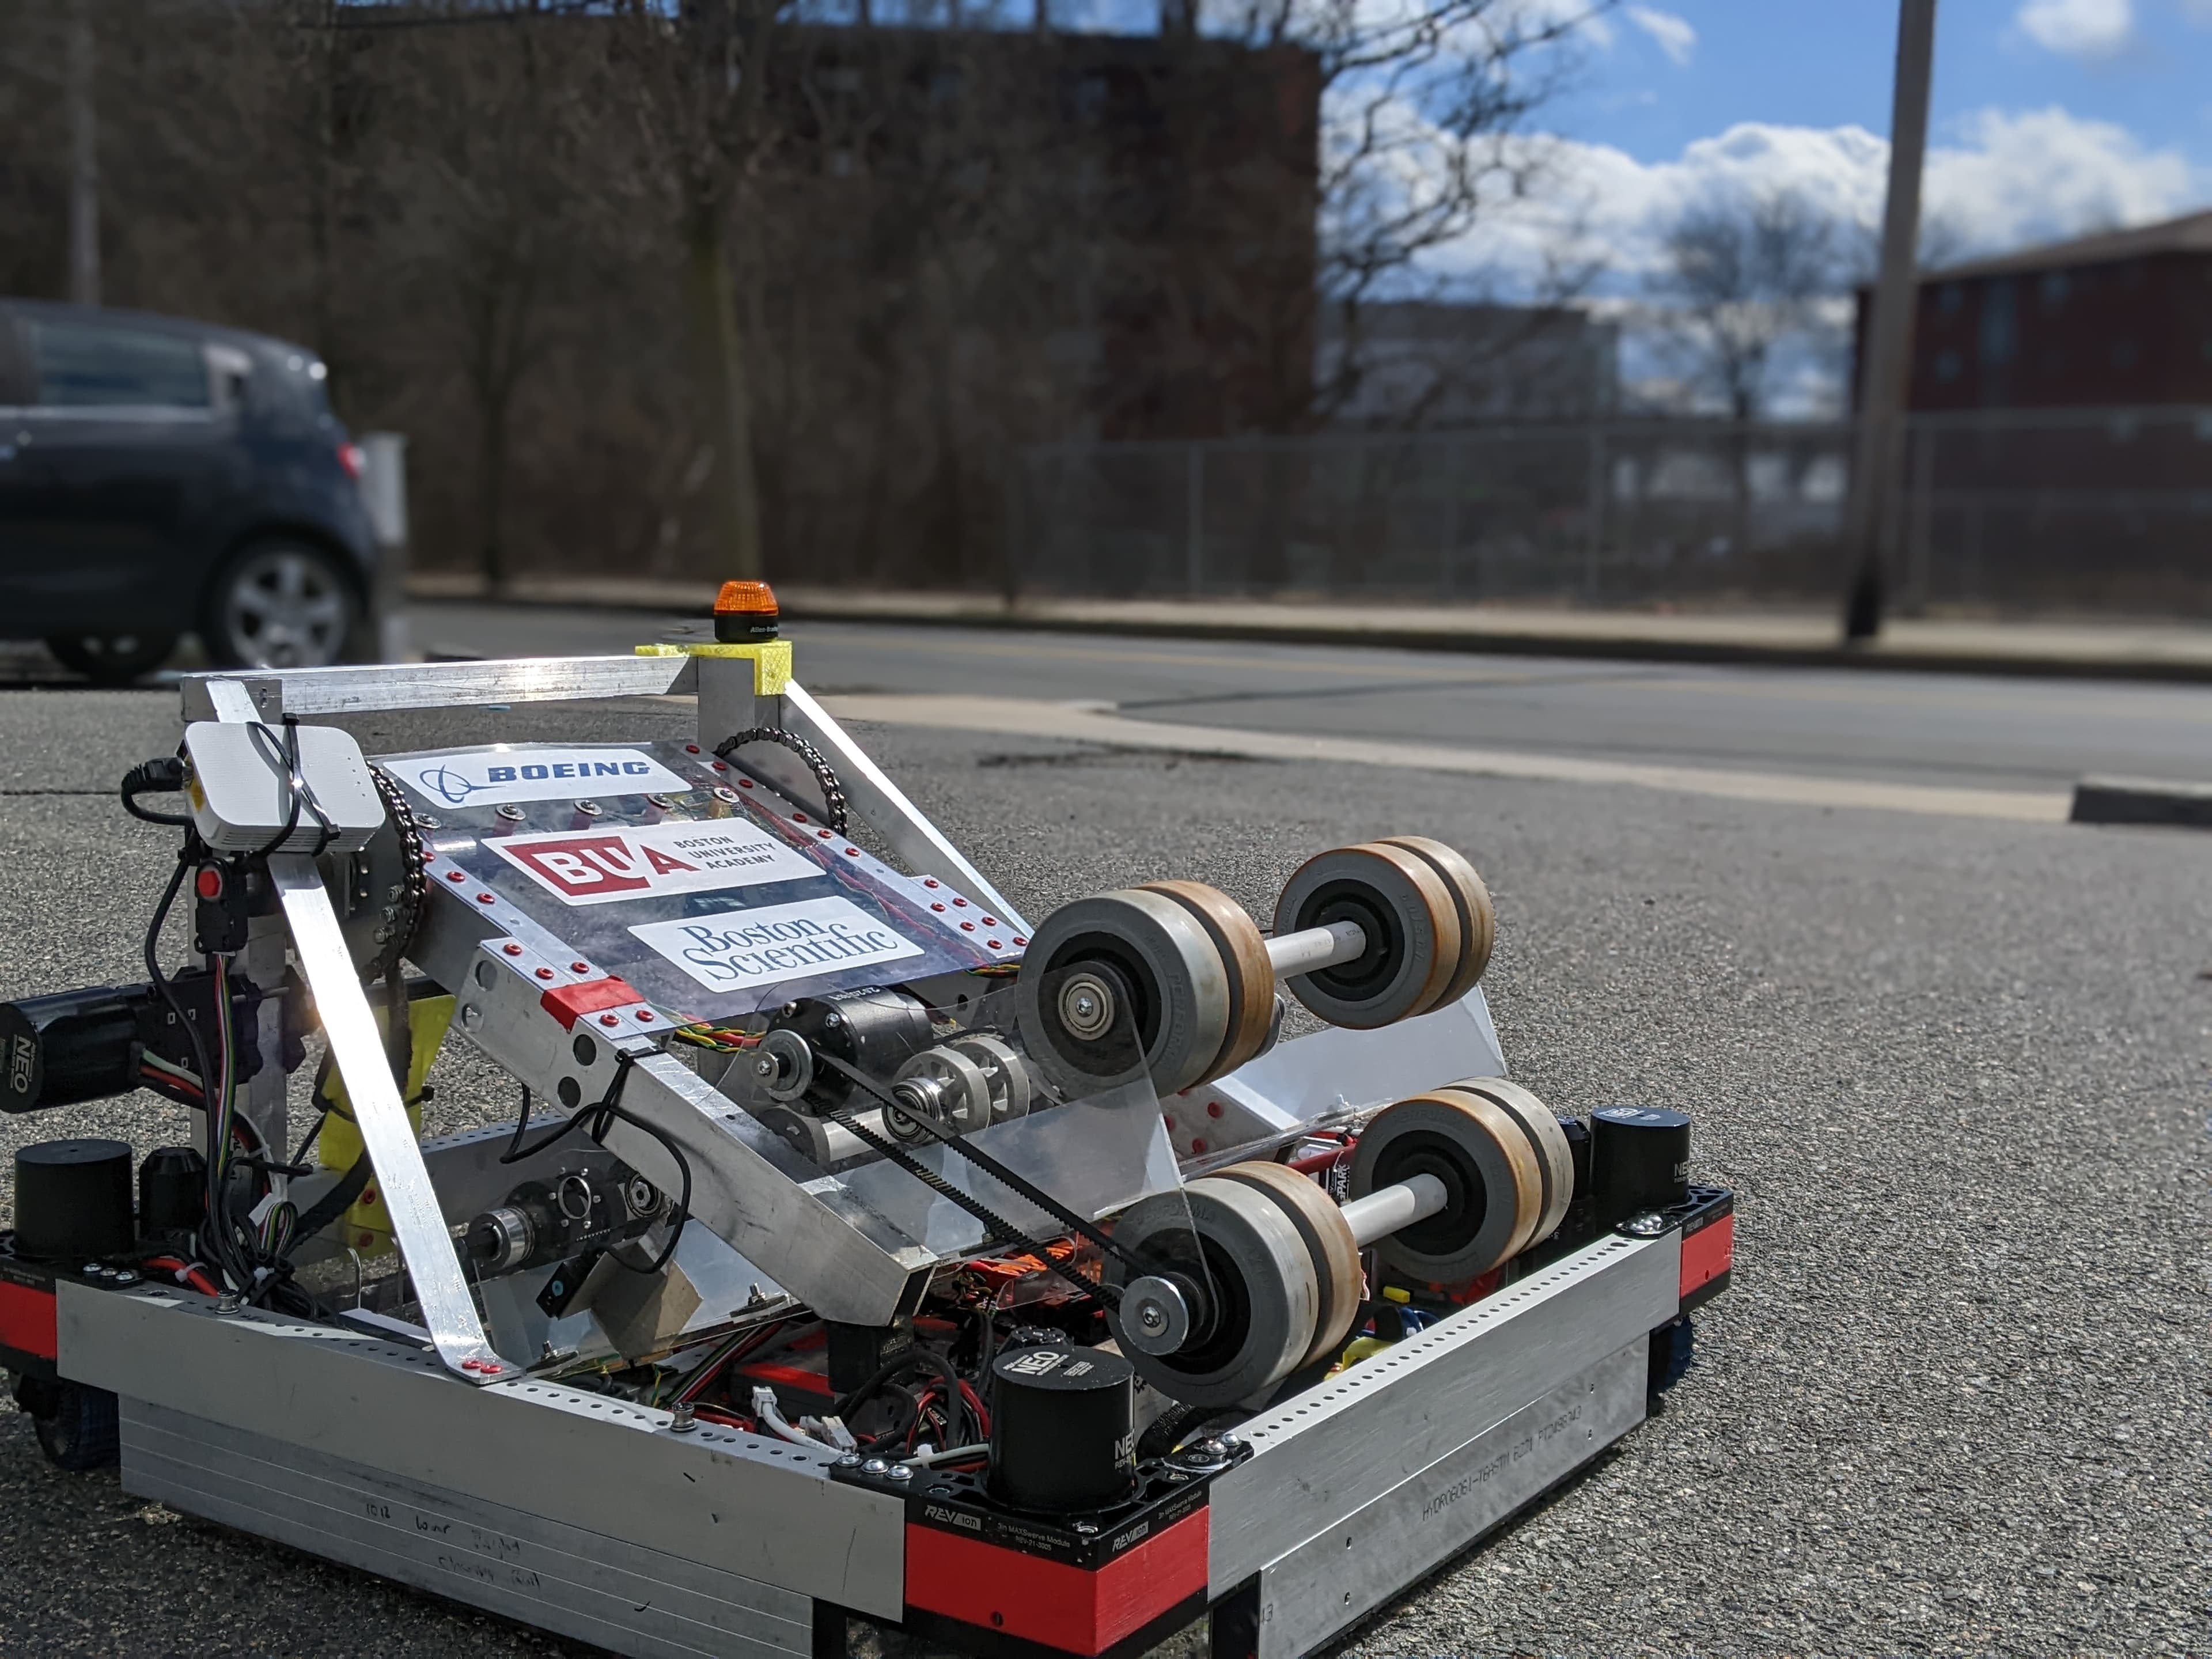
2146 67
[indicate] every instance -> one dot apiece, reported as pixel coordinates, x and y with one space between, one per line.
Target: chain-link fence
2099 509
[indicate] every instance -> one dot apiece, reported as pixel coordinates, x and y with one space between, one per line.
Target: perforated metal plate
704 888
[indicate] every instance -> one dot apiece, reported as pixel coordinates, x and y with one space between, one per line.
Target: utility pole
1884 371
84 159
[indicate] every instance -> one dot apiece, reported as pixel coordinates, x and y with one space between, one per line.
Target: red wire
976 1405
186 1273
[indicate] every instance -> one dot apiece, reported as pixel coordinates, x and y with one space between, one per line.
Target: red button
208 882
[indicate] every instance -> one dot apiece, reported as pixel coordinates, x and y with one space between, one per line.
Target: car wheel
111 658
280 605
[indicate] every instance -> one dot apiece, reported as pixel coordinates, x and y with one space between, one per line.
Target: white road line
1020 717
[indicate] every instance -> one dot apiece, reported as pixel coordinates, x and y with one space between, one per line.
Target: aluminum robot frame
433 1454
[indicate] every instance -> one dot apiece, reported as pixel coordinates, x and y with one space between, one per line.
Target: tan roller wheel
1478 920
1120 985
1494 1188
1329 1240
1411 921
1244 956
1256 1269
1541 1125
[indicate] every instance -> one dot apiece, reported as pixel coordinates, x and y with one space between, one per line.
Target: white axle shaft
1389 1209
1315 948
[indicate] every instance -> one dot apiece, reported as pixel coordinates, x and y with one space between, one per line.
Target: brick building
2122 318
2060 434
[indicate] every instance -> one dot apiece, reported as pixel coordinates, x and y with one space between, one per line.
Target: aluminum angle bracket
426 1246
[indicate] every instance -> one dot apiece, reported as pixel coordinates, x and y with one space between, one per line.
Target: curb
2142 800
952 610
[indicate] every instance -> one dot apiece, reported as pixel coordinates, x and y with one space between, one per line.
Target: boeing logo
448 785
548 774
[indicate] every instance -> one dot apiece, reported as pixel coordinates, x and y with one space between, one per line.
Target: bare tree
1741 279
698 72
1426 107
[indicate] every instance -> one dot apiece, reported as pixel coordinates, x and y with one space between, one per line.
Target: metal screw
682 1420
849 1461
900 1472
229 1302
1647 1223
874 1466
590 808
1086 1528
764 1066
510 812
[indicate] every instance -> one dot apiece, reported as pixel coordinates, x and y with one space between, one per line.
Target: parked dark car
159 476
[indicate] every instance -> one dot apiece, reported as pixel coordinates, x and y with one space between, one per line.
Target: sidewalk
2130 650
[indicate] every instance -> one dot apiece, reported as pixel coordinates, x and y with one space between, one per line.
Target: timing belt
1004 1230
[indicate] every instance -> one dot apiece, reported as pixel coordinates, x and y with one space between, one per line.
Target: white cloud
1675 35
1998 179
2078 28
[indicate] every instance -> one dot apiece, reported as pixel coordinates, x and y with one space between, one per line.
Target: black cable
1010 1179
283 758
214 1233
956 1409
336 1201
308 1139
594 1120
164 774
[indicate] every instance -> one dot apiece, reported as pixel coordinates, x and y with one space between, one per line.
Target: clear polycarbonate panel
698 883
1095 1150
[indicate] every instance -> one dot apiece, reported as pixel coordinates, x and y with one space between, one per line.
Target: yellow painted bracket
367 1225
771 661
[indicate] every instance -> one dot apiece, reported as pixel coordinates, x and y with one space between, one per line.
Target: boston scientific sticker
737 950
600 866
491 777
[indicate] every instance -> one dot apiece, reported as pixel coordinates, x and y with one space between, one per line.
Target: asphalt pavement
1954 1066
1986 730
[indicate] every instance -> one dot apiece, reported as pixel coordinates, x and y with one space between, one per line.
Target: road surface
1953 1063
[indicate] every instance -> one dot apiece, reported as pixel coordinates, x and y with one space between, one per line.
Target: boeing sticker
599 866
491 777
735 950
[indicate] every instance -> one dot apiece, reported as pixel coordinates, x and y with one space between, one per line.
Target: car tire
280 605
111 658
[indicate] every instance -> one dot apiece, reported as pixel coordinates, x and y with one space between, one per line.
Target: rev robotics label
734 949
599 867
